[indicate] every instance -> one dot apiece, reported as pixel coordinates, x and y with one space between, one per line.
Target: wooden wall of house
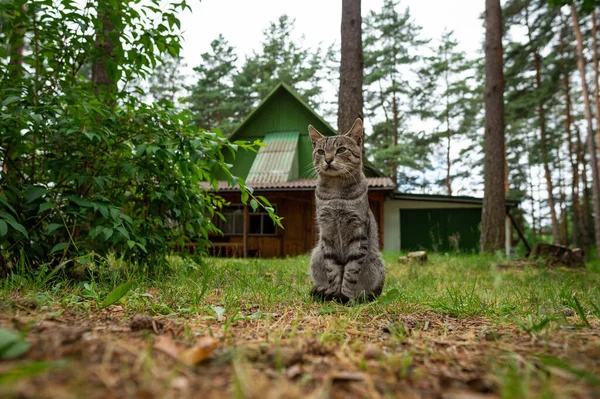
300 232
297 210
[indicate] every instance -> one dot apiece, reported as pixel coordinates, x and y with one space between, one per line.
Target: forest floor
458 327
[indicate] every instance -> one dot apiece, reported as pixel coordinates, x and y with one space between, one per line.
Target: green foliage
225 94
545 44
166 81
211 99
448 97
586 5
391 48
86 166
282 59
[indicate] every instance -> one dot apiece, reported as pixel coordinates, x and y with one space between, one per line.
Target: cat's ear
314 135
356 131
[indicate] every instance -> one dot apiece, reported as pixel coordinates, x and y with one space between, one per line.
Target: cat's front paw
346 296
320 293
343 299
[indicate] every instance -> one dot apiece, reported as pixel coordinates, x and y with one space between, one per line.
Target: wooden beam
507 235
246 229
521 235
381 218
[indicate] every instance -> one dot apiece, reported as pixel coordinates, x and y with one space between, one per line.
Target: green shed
438 223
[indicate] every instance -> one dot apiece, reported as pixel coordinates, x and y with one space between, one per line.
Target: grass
455 324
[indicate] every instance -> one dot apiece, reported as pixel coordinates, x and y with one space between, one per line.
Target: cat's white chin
332 172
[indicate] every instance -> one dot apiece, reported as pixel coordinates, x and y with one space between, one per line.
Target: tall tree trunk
537 60
107 40
596 62
573 148
396 122
493 212
573 158
562 203
351 67
585 215
590 139
533 202
545 154
448 181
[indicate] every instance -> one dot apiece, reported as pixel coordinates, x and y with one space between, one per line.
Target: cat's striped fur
346 264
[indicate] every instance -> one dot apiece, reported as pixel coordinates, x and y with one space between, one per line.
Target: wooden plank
246 228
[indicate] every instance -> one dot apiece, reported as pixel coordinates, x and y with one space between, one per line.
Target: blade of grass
116 294
580 311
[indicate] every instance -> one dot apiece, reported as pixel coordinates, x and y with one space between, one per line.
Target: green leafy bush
91 168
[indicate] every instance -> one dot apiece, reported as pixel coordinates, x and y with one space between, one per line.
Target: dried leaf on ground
204 347
167 345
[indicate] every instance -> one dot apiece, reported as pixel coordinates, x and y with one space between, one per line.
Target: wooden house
282 171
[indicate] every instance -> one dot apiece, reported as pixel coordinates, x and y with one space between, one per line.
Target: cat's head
338 155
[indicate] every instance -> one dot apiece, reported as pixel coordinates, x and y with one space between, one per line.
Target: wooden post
381 219
246 228
507 235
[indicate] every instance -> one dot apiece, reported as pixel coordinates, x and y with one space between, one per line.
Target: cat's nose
329 161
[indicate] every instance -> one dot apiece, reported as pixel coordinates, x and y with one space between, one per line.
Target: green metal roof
277 161
449 198
288 117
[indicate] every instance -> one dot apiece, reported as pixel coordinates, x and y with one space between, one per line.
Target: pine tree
534 82
211 99
448 97
590 133
281 59
391 48
167 82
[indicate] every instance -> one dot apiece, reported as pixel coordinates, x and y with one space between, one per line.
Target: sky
242 23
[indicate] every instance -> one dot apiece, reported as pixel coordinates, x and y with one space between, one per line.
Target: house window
235 220
259 222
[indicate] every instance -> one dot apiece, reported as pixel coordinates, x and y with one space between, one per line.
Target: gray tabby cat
346 264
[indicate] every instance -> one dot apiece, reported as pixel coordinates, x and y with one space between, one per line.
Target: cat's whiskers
309 171
348 174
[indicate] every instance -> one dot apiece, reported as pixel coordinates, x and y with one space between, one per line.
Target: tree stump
419 256
559 255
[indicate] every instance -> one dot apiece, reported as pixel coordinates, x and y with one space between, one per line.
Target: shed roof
447 198
375 184
277 161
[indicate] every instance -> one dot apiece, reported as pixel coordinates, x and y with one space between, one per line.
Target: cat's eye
320 152
340 150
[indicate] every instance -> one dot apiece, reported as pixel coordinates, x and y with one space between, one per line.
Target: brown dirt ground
99 355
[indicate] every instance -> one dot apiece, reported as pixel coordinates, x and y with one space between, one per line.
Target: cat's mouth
330 170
